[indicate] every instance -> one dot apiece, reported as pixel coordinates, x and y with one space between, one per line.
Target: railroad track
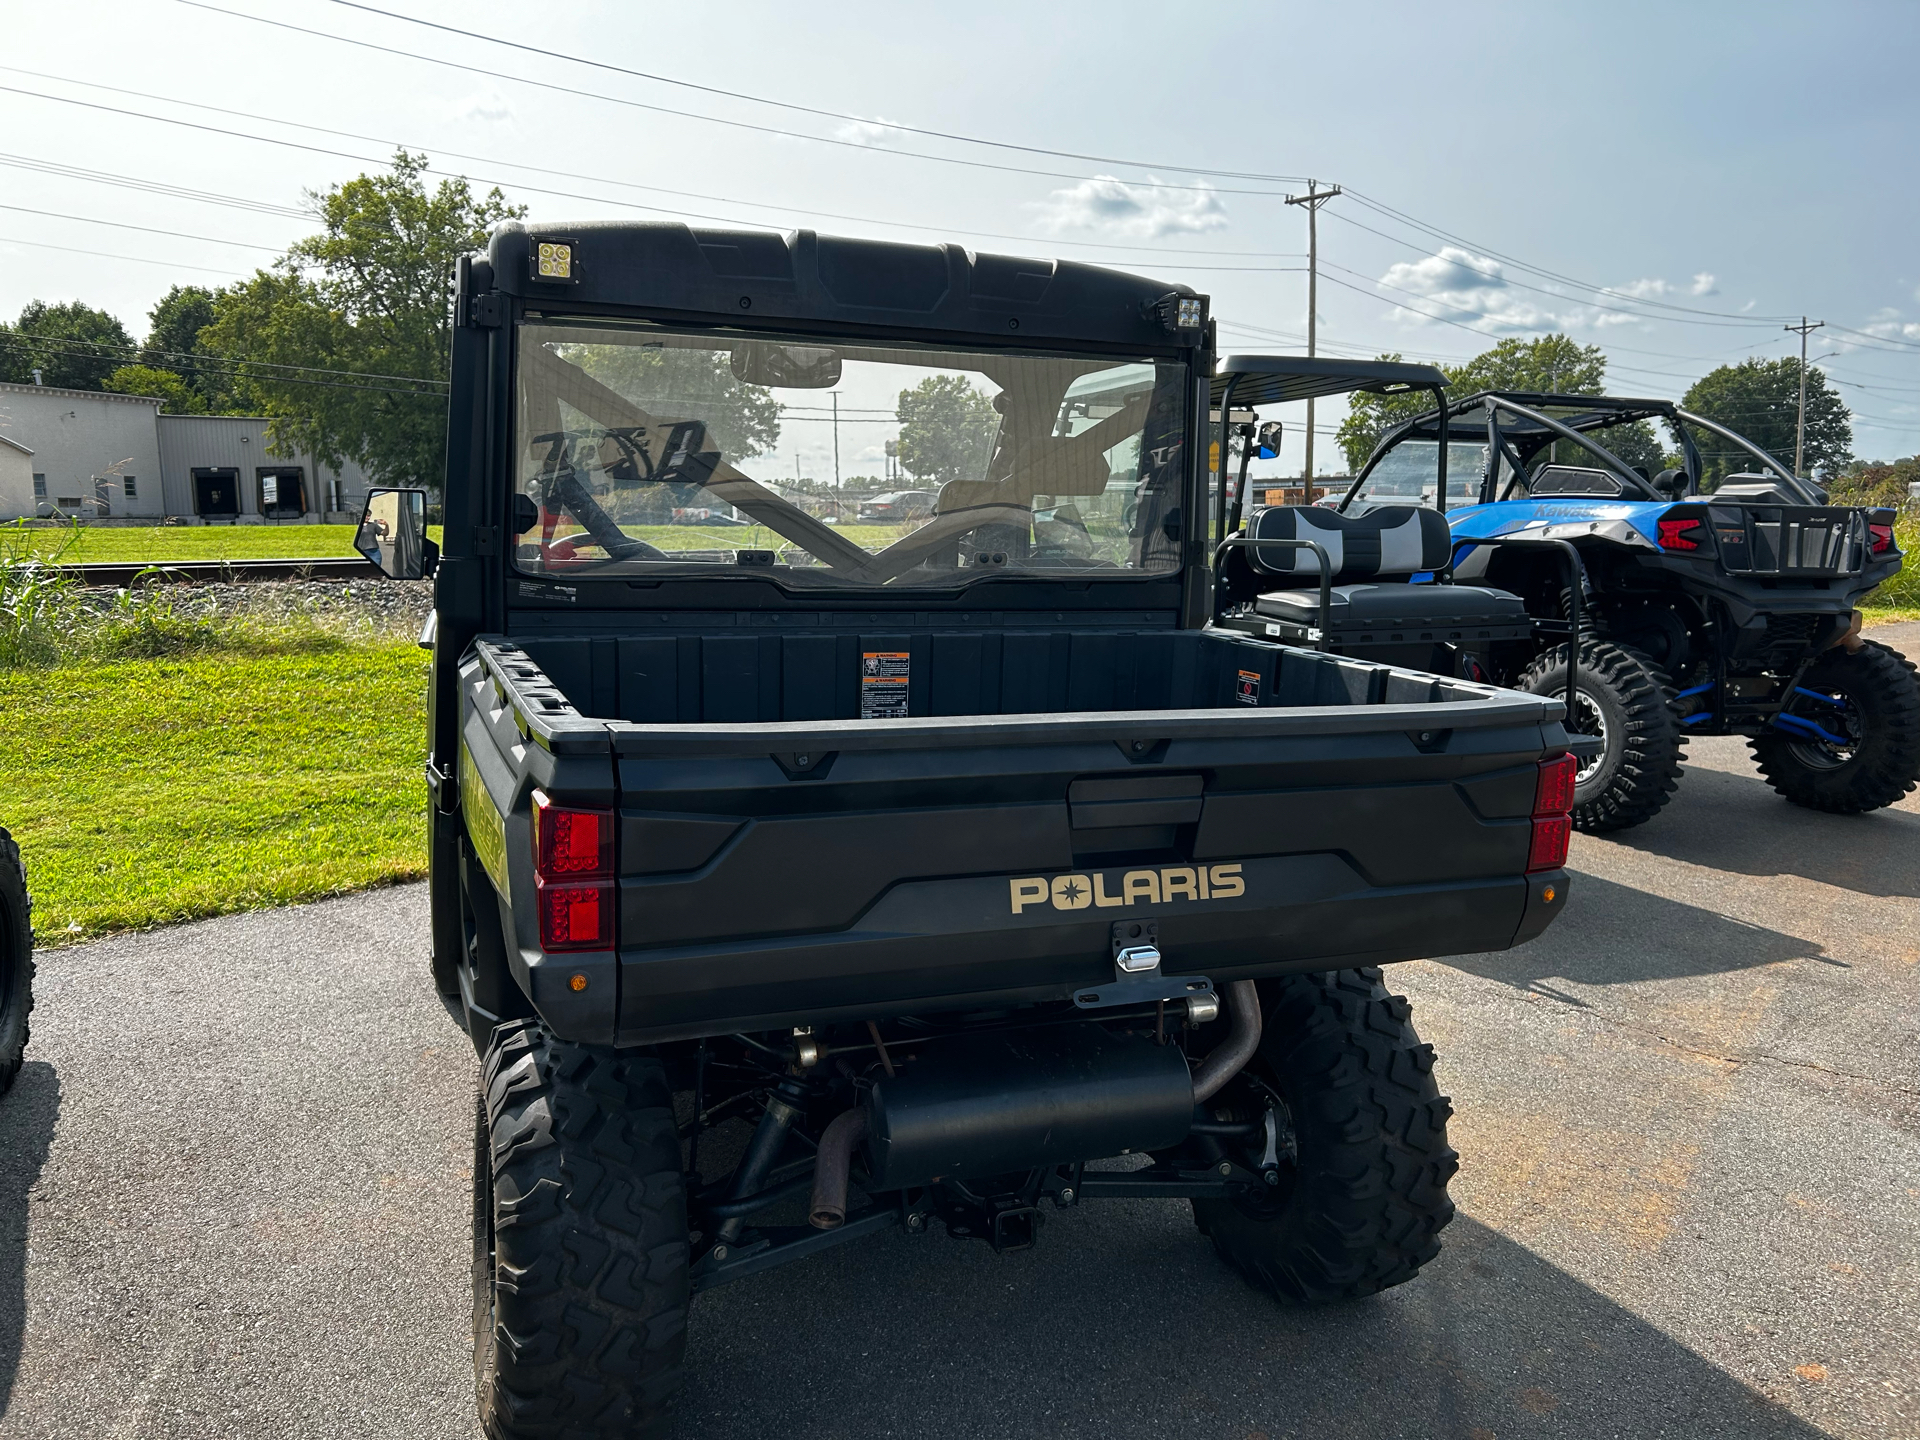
118 575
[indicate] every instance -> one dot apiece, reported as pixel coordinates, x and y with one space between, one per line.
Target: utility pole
836 439
1803 329
1313 200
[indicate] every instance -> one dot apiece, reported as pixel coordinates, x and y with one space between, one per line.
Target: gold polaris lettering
1027 892
1136 887
1072 892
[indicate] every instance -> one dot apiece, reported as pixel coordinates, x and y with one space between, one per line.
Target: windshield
1409 474
636 450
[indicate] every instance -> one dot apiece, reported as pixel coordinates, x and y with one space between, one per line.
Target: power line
134 182
802 109
675 211
212 361
144 229
108 255
1440 234
574 92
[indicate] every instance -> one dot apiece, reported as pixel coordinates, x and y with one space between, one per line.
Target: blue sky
1670 181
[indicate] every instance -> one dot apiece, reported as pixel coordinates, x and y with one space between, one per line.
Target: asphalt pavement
234 1195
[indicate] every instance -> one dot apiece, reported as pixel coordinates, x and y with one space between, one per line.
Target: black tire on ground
1628 700
1362 1204
16 960
580 1241
1881 719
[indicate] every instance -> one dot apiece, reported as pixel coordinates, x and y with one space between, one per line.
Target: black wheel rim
1273 1155
1589 719
1824 727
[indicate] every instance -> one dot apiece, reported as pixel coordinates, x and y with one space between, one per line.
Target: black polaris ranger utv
807 879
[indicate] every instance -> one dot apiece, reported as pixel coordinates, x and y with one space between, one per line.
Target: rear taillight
1681 532
1552 823
1880 537
573 875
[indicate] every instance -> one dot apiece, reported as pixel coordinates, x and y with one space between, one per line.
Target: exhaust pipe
1006 1102
828 1211
1232 1054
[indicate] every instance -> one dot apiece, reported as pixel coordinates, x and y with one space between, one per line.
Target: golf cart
1724 613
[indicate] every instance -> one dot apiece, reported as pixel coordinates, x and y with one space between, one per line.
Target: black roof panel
757 276
1276 379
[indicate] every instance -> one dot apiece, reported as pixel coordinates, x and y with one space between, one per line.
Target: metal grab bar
1320 554
1575 575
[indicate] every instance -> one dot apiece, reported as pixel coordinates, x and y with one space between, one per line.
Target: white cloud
878 131
1475 290
491 108
1470 289
1114 207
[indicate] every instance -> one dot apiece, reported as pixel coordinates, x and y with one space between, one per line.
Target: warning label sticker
1248 691
883 684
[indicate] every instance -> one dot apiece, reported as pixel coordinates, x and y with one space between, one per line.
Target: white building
116 459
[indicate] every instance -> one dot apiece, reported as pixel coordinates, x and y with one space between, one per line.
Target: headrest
1392 540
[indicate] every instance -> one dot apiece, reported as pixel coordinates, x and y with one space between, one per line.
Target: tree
176 395
1760 399
74 346
174 342
742 419
946 429
1875 482
1551 364
367 300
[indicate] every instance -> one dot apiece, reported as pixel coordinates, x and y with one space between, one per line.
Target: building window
283 492
39 487
130 487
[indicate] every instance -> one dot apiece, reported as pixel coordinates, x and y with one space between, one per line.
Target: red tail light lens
1552 825
1551 835
1881 537
1553 792
573 875
569 841
1680 533
576 917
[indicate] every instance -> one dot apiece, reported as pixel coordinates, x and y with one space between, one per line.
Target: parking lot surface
234 1195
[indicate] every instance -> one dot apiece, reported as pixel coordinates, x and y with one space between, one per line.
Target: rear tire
1362 1204
16 960
1880 716
1628 701
580 1242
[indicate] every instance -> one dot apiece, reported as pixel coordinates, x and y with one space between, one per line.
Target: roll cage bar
1280 379
1518 427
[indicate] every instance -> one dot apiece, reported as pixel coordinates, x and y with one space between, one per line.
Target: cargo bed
783 860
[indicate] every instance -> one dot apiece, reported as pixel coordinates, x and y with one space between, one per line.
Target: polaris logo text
1134 887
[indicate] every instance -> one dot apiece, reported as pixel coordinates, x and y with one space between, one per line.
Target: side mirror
393 534
786 367
1268 441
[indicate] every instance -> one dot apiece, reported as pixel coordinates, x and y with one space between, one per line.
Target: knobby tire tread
16 976
1370 1192
1887 765
591 1281
1653 742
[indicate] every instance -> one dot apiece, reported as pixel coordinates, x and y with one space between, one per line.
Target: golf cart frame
1258 380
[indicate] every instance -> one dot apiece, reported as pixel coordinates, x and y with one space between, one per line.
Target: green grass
150 791
1899 598
104 543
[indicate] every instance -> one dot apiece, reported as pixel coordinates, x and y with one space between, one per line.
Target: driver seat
1374 602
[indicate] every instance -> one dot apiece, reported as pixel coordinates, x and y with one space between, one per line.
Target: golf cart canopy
1277 379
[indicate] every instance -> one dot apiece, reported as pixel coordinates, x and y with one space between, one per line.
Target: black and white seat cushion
1395 540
